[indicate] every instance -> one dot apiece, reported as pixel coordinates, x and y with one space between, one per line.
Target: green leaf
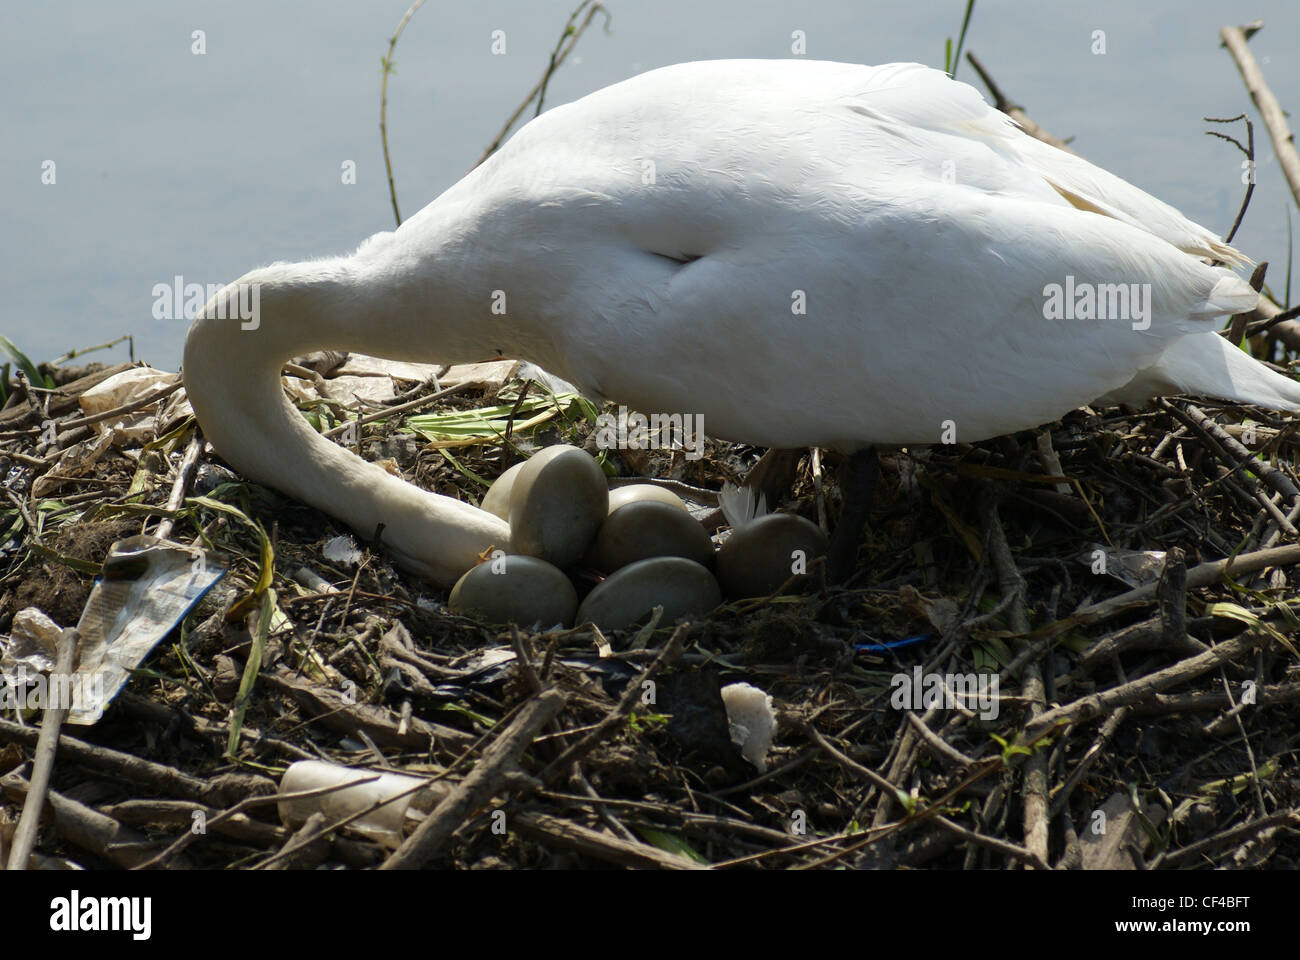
266 558
251 670
451 707
487 424
1010 750
81 566
1238 783
464 470
670 843
961 38
19 358
1231 611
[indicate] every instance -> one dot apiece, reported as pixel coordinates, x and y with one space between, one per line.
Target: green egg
557 503
761 555
682 587
515 589
649 528
636 492
497 500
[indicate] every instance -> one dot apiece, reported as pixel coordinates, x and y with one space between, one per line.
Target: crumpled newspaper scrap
145 588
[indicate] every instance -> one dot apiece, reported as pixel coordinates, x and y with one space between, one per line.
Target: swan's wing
921 97
1089 187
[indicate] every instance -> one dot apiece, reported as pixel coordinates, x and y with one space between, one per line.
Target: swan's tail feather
1230 294
1206 364
1227 253
1253 382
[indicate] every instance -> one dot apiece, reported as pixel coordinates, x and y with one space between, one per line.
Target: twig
1264 326
1171 593
85 827
631 696
1047 456
882 831
598 802
400 408
128 766
387 64
248 803
583 840
1232 451
126 338
1012 110
1270 111
1035 790
1093 705
1290 817
490 774
574 34
568 29
181 814
146 400
685 490
848 763
1113 723
525 661
1260 807
1249 151
938 743
1027 857
184 474
1201 575
306 848
46 748
1210 700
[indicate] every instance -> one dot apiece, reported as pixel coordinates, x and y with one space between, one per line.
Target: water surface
173 164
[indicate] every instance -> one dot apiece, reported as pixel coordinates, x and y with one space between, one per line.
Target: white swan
806 253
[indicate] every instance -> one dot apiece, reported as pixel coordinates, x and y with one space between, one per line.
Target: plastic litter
409 798
145 588
1137 568
752 719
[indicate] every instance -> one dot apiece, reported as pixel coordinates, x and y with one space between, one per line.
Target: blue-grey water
169 162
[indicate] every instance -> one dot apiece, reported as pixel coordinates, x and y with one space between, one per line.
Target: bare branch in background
1249 151
564 46
1270 111
383 102
1014 111
569 38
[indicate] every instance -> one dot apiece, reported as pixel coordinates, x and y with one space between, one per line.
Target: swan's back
823 253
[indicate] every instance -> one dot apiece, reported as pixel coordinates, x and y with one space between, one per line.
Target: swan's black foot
858 485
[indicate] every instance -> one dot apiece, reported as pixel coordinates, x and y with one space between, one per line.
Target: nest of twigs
1148 721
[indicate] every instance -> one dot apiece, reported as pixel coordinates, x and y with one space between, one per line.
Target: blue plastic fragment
892 644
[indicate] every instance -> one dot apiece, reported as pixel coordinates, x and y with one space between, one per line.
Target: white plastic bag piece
752 720
33 640
385 824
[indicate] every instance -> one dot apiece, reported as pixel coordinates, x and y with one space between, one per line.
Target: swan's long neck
232 375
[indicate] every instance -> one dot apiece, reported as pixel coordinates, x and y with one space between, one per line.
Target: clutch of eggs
647 548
